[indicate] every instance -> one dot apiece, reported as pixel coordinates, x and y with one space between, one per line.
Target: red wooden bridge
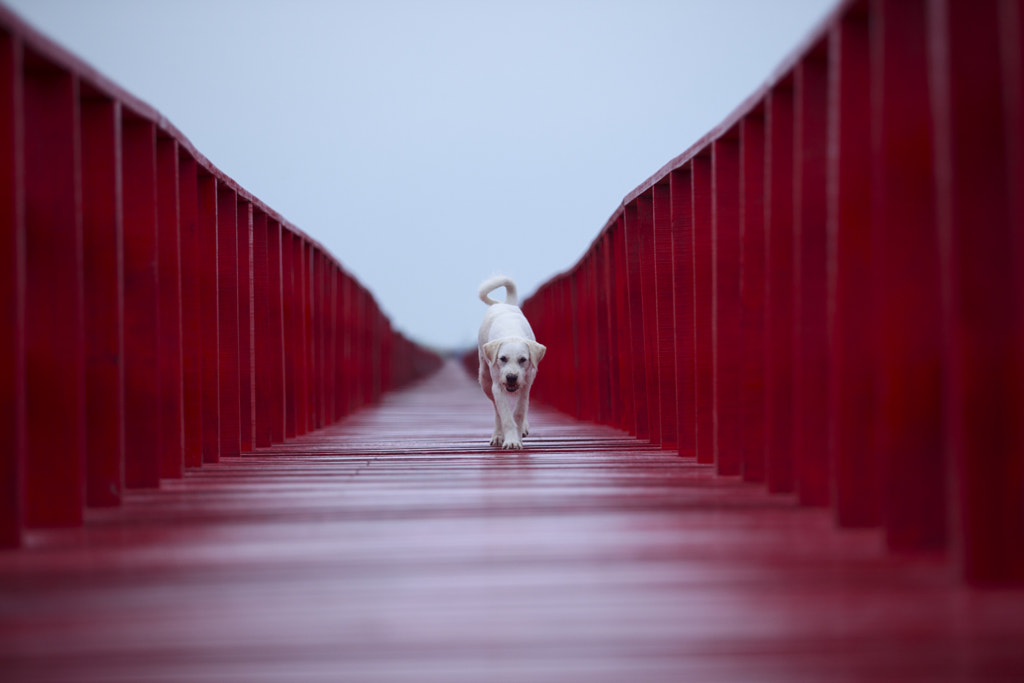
778 435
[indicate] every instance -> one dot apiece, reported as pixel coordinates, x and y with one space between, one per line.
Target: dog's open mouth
511 388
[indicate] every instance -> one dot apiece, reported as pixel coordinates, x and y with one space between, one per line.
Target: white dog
508 354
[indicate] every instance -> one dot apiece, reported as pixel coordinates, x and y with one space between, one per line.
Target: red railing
824 295
156 315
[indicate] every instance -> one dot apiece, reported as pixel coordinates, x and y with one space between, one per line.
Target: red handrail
824 294
157 316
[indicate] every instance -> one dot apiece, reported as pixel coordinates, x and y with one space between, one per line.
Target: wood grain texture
397 545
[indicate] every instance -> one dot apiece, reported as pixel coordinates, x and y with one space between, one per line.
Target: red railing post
907 310
246 329
54 316
684 300
703 311
725 294
141 305
852 337
810 343
12 292
779 295
209 317
664 305
262 331
610 406
104 300
191 327
275 334
227 288
984 429
172 427
753 284
643 213
633 285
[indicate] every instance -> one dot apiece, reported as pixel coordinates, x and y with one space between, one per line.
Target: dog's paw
497 440
526 428
512 445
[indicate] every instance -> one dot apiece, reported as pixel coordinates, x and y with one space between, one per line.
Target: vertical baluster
779 295
665 311
681 197
725 245
104 299
172 427
703 312
55 343
191 328
810 345
12 292
262 330
753 285
141 304
852 445
246 329
981 283
209 315
227 285
906 312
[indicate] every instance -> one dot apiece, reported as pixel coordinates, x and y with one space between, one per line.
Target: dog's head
513 361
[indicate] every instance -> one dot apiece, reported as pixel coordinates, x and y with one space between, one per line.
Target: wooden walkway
398 546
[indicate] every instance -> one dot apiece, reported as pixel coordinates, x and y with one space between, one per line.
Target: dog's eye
522 361
504 359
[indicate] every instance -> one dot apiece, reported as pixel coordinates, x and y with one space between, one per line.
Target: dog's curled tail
511 296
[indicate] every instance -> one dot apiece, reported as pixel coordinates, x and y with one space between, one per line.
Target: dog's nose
511 379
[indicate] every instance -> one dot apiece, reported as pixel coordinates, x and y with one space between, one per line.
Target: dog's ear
537 352
491 350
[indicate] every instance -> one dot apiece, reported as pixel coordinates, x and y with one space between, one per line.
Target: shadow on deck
397 545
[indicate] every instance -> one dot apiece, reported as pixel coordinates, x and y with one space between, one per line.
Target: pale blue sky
429 145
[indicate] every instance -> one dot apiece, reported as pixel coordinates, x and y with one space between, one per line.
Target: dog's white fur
508 354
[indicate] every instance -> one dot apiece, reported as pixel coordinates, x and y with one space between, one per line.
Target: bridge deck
399 546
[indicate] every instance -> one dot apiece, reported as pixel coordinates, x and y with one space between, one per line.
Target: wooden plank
398 544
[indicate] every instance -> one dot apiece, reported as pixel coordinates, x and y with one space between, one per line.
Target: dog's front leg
498 437
522 406
512 439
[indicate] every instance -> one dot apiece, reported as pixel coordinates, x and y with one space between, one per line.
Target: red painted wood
227 317
623 340
753 284
54 297
725 301
681 196
275 336
905 259
852 307
703 317
289 307
810 339
104 300
779 295
644 411
191 328
301 323
262 336
664 304
649 329
141 305
984 430
12 292
209 318
610 408
172 419
398 544
246 325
